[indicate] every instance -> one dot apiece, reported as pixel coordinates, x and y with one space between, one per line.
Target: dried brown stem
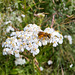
62 71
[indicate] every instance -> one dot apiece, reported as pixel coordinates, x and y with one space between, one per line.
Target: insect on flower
43 35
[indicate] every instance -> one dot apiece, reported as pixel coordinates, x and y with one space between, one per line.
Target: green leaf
14 71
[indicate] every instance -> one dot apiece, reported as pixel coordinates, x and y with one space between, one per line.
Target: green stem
33 66
71 6
25 6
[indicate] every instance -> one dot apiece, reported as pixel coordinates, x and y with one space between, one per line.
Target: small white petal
23 15
41 68
20 61
50 62
71 65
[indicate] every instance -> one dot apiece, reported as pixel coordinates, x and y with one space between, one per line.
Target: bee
43 35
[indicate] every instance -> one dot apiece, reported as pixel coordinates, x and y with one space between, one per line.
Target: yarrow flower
50 62
19 19
69 38
9 28
55 38
19 61
41 68
20 40
23 15
28 39
71 65
7 22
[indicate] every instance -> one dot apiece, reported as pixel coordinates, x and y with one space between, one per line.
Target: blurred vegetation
62 56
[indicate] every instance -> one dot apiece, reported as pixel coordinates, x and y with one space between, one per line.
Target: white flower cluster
20 40
9 28
12 46
14 17
29 40
69 38
7 22
55 38
20 61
